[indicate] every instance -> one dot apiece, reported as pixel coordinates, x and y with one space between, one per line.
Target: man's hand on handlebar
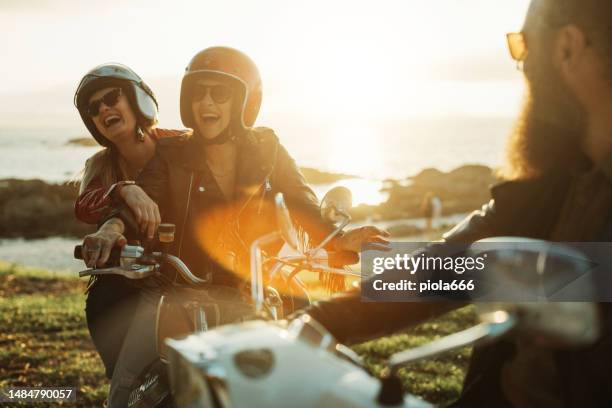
97 246
145 210
354 238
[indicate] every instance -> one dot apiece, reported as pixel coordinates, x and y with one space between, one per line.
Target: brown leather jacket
518 208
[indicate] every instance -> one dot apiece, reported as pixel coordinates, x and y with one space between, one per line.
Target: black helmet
140 96
230 65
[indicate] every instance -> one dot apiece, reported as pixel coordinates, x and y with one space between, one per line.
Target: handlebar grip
341 258
112 260
78 252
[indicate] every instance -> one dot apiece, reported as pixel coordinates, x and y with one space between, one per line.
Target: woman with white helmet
120 112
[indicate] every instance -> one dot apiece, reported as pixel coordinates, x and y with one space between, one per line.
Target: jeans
110 306
137 352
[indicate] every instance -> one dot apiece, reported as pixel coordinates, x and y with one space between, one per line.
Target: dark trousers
110 307
137 352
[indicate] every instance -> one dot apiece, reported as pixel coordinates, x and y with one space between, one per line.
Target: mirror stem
331 236
478 334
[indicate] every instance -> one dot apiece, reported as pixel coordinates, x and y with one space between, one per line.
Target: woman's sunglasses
110 99
218 93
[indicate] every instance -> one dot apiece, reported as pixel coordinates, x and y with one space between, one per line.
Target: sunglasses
110 99
517 46
218 93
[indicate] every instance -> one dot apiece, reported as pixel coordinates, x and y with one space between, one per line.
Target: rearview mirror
531 279
560 324
528 270
336 204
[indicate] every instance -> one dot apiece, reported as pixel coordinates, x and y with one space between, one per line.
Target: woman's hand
97 247
353 239
145 209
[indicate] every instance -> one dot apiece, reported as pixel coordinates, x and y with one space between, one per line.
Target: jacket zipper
266 187
186 215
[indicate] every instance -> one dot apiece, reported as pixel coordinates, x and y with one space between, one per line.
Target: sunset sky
320 60
376 89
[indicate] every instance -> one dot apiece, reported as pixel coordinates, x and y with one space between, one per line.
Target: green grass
44 341
438 380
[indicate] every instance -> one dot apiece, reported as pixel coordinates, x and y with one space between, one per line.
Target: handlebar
183 270
133 269
113 259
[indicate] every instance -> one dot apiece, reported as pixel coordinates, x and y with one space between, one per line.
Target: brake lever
135 271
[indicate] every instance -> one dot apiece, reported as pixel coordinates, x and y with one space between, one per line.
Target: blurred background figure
431 209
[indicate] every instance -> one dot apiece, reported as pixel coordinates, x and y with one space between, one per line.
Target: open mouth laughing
210 118
111 120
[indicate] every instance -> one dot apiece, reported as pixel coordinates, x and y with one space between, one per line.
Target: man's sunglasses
218 93
517 47
110 99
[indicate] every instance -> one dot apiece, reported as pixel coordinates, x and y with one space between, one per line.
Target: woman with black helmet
217 185
228 169
120 112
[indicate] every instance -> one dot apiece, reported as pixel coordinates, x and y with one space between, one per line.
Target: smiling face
211 107
116 123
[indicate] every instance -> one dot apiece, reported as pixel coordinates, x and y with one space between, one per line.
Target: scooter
272 293
267 363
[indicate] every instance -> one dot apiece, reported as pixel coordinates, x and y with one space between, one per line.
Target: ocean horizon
372 152
396 149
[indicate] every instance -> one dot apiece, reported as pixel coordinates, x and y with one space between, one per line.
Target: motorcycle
265 363
189 305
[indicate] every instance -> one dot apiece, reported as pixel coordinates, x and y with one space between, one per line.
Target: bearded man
558 187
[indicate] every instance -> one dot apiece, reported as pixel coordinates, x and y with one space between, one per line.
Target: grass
438 380
44 339
44 342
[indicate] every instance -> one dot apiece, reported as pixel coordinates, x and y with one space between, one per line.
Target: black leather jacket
518 208
172 180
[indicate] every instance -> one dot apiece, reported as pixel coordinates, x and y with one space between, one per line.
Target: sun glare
357 150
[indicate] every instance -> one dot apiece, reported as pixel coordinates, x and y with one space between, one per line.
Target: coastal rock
83 141
35 209
314 176
461 190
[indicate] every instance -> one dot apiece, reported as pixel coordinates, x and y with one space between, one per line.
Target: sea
372 152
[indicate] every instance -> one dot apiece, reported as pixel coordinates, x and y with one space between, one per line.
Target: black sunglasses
110 99
218 93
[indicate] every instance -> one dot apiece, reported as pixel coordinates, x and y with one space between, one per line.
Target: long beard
548 134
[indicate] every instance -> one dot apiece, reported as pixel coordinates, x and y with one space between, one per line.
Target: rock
404 230
83 141
35 209
314 176
461 190
365 211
